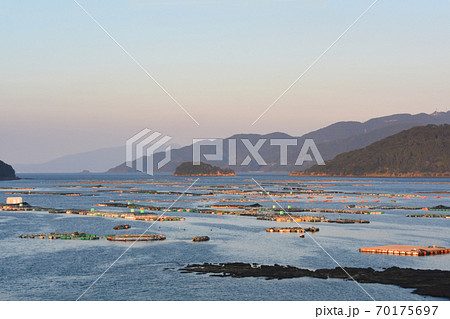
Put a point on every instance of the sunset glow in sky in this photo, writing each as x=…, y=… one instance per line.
x=66, y=87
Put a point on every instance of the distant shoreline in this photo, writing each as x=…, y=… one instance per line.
x=15, y=178
x=411, y=175
x=237, y=174
x=204, y=175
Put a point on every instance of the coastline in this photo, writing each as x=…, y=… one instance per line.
x=203, y=175
x=409, y=175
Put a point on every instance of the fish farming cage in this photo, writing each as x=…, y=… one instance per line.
x=118, y=227
x=136, y=237
x=292, y=229
x=62, y=235
x=200, y=238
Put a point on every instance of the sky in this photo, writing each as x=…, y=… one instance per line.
x=66, y=87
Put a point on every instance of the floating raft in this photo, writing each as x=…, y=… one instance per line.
x=134, y=237
x=153, y=218
x=200, y=238
x=64, y=235
x=298, y=219
x=429, y=215
x=406, y=250
x=291, y=229
x=438, y=208
x=347, y=221
x=122, y=227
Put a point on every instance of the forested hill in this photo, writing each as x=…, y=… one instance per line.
x=189, y=169
x=422, y=151
x=332, y=140
x=6, y=171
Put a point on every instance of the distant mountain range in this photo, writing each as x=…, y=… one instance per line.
x=6, y=171
x=418, y=152
x=93, y=161
x=331, y=140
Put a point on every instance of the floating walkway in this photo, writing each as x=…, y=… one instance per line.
x=406, y=250
x=139, y=216
x=84, y=236
x=63, y=235
x=429, y=215
x=200, y=238
x=295, y=218
x=347, y=221
x=122, y=227
x=441, y=208
x=136, y=237
x=291, y=230
x=131, y=216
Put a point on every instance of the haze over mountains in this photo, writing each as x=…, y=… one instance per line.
x=94, y=161
x=331, y=140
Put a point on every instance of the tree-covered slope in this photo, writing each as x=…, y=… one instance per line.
x=189, y=169
x=331, y=140
x=6, y=171
x=419, y=151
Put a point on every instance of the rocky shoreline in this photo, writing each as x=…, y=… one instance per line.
x=434, y=283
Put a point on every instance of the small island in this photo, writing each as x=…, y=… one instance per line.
x=7, y=172
x=189, y=169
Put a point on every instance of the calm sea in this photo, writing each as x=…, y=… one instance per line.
x=63, y=270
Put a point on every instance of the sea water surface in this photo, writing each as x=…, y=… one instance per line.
x=32, y=269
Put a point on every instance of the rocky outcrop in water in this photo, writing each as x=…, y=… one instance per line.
x=435, y=283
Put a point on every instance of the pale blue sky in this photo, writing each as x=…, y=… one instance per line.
x=68, y=88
